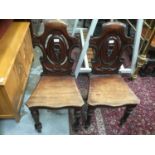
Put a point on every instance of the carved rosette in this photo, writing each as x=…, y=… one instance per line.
x=56, y=46
x=108, y=48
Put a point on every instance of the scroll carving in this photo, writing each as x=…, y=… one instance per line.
x=56, y=46
x=108, y=48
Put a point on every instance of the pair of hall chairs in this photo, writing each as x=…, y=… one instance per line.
x=57, y=87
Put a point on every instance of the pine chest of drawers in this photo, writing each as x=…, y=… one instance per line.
x=16, y=54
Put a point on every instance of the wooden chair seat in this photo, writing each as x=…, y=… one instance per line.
x=56, y=92
x=110, y=90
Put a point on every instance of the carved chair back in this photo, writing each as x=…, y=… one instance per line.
x=56, y=46
x=108, y=48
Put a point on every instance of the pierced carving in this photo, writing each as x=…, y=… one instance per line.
x=108, y=48
x=56, y=46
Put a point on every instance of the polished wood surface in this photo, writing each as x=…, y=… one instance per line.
x=56, y=46
x=56, y=92
x=56, y=87
x=107, y=88
x=108, y=48
x=110, y=90
x=16, y=54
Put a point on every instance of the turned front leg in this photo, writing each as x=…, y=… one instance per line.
x=35, y=115
x=77, y=116
x=127, y=112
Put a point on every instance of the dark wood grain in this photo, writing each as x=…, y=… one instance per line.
x=56, y=46
x=127, y=112
x=109, y=90
x=35, y=115
x=57, y=88
x=108, y=48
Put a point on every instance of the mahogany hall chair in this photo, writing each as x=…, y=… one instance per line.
x=57, y=87
x=106, y=86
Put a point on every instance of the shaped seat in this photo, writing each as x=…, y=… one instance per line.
x=110, y=90
x=56, y=92
x=107, y=87
x=56, y=88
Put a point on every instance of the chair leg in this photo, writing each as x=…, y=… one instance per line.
x=90, y=111
x=84, y=112
x=35, y=115
x=127, y=112
x=77, y=116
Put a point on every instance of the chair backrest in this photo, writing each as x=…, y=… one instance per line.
x=108, y=48
x=56, y=46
